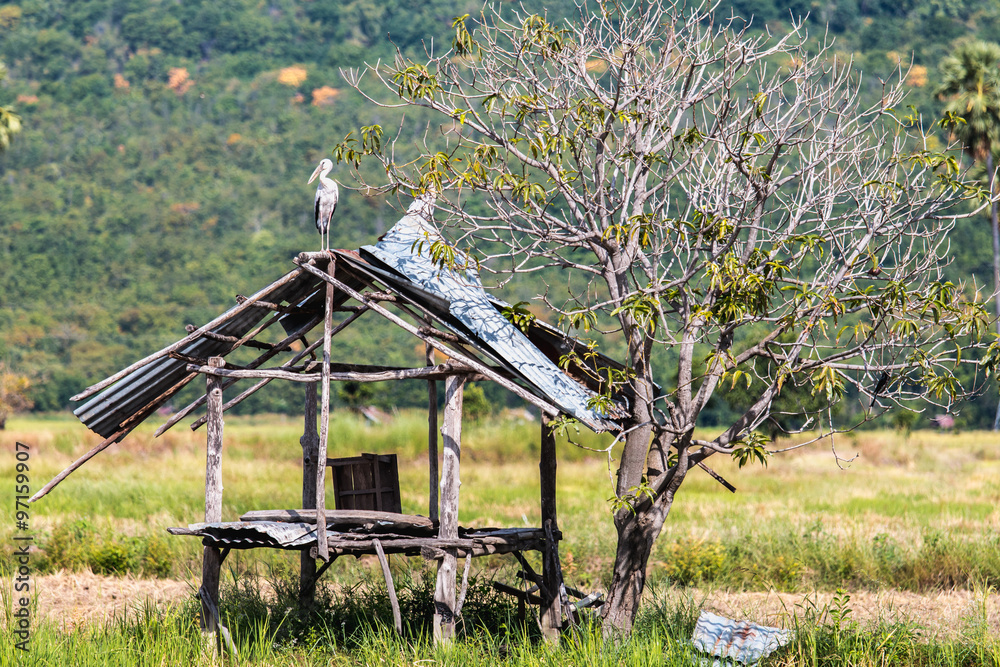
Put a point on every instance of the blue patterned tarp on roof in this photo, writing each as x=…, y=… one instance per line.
x=406, y=249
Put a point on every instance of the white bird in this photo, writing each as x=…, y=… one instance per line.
x=327, y=195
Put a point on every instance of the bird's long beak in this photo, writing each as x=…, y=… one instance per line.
x=315, y=174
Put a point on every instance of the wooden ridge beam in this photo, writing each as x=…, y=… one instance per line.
x=438, y=372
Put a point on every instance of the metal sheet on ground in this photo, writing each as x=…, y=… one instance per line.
x=735, y=642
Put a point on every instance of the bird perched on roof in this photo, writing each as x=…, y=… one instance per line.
x=327, y=195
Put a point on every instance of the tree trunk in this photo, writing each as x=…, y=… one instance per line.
x=636, y=535
x=639, y=529
x=637, y=532
x=996, y=258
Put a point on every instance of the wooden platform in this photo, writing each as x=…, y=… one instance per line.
x=355, y=533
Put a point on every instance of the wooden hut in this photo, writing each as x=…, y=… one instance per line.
x=323, y=295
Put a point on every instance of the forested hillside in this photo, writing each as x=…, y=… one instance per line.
x=165, y=149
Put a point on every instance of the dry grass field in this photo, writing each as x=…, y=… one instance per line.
x=910, y=528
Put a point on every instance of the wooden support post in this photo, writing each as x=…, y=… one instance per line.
x=451, y=435
x=310, y=460
x=322, y=549
x=551, y=608
x=212, y=559
x=432, y=436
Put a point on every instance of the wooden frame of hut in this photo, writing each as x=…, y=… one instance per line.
x=343, y=285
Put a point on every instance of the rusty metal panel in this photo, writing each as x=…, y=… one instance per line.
x=251, y=534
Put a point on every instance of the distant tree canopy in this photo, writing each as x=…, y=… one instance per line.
x=14, y=394
x=131, y=206
x=970, y=88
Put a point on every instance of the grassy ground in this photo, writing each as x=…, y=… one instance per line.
x=917, y=513
x=913, y=513
x=352, y=629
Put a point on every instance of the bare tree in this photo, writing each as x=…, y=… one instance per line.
x=717, y=196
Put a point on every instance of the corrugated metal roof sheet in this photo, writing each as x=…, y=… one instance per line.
x=740, y=641
x=140, y=393
x=406, y=250
x=248, y=535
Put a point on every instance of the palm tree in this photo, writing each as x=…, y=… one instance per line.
x=971, y=87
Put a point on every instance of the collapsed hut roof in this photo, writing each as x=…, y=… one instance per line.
x=440, y=306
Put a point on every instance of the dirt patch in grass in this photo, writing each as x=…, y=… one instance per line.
x=72, y=599
x=944, y=614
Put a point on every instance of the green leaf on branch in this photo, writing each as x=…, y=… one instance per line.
x=443, y=255
x=751, y=448
x=828, y=382
x=519, y=316
x=638, y=227
x=939, y=385
x=561, y=425
x=371, y=139
x=348, y=150
x=463, y=43
x=415, y=82
x=601, y=403
x=642, y=308
x=632, y=498
x=580, y=319
x=536, y=31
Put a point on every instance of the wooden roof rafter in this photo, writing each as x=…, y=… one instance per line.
x=469, y=360
x=309, y=349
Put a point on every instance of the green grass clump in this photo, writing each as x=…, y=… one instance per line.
x=692, y=561
x=79, y=544
x=791, y=559
x=349, y=613
x=829, y=635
